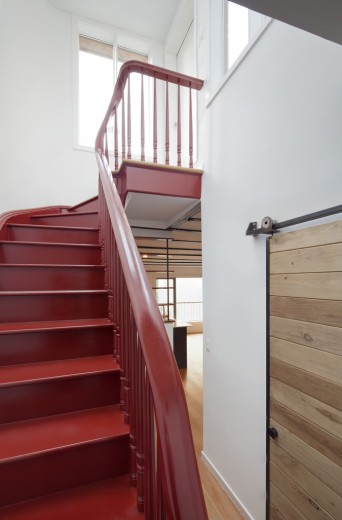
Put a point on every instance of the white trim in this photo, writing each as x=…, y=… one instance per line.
x=238, y=62
x=243, y=510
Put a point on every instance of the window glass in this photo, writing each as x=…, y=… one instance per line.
x=96, y=82
x=242, y=26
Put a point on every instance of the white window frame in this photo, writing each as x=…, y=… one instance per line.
x=111, y=35
x=218, y=47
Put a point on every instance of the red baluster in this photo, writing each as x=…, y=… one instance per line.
x=123, y=126
x=129, y=137
x=167, y=130
x=116, y=147
x=133, y=419
x=106, y=146
x=140, y=431
x=191, y=158
x=150, y=499
x=179, y=131
x=155, y=122
x=142, y=121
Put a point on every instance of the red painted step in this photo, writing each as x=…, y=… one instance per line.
x=49, y=341
x=49, y=253
x=110, y=499
x=51, y=454
x=61, y=234
x=55, y=387
x=52, y=305
x=50, y=277
x=78, y=218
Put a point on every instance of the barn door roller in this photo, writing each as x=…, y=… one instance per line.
x=269, y=226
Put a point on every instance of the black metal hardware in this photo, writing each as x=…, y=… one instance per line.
x=272, y=432
x=269, y=226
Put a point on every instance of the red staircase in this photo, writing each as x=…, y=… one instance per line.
x=64, y=446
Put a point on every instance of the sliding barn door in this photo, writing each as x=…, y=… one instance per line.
x=305, y=383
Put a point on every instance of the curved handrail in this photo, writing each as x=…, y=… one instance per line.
x=181, y=477
x=158, y=73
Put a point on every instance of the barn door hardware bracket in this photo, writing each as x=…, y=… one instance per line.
x=272, y=432
x=266, y=228
x=269, y=226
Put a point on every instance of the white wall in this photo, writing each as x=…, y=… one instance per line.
x=271, y=145
x=39, y=165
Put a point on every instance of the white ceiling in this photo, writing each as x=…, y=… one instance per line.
x=149, y=18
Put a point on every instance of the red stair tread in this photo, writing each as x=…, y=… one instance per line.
x=48, y=244
x=6, y=328
x=64, y=214
x=37, y=436
x=109, y=499
x=11, y=375
x=46, y=226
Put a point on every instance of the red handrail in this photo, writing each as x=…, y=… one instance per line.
x=164, y=466
x=120, y=99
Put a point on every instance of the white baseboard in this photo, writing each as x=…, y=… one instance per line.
x=226, y=487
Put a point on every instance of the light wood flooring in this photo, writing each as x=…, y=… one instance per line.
x=219, y=505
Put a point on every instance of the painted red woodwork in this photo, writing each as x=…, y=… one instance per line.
x=49, y=341
x=167, y=480
x=122, y=89
x=158, y=180
x=112, y=498
x=61, y=305
x=49, y=253
x=30, y=233
x=78, y=218
x=16, y=277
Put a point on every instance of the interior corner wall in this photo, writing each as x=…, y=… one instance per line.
x=271, y=145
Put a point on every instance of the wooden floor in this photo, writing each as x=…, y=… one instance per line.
x=219, y=505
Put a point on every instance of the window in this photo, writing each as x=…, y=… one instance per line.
x=96, y=81
x=166, y=297
x=242, y=25
x=189, y=299
x=99, y=63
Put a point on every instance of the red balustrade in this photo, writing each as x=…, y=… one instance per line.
x=163, y=461
x=121, y=106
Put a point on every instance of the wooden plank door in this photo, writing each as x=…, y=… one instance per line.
x=305, y=374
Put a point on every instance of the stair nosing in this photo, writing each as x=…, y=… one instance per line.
x=46, y=378
x=47, y=226
x=65, y=214
x=91, y=266
x=53, y=293
x=68, y=244
x=64, y=447
x=48, y=326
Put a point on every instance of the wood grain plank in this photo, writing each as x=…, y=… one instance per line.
x=297, y=496
x=326, y=312
x=315, y=488
x=319, y=439
x=325, y=286
x=318, y=387
x=322, y=467
x=330, y=233
x=319, y=259
x=284, y=506
x=321, y=337
x=275, y=514
x=323, y=364
x=319, y=413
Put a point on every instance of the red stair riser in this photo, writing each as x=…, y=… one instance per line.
x=33, y=347
x=56, y=471
x=50, y=278
x=17, y=308
x=61, y=395
x=52, y=234
x=70, y=219
x=21, y=253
